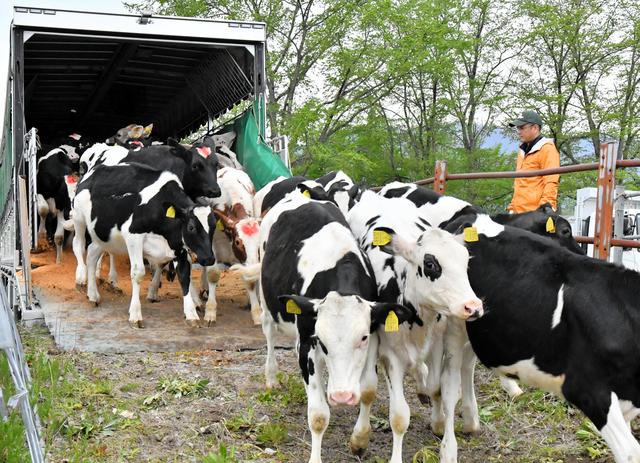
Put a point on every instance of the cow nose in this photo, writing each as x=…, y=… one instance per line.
x=207, y=261
x=214, y=192
x=473, y=310
x=343, y=398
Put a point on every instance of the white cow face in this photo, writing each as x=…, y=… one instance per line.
x=343, y=327
x=436, y=277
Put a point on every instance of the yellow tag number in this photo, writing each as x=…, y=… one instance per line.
x=306, y=193
x=292, y=307
x=551, y=228
x=391, y=323
x=220, y=225
x=380, y=238
x=470, y=234
x=171, y=212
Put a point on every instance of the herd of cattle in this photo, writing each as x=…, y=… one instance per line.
x=406, y=277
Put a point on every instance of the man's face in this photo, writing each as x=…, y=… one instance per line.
x=528, y=132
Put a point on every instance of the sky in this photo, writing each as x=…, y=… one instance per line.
x=6, y=16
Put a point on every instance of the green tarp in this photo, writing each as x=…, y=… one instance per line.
x=260, y=162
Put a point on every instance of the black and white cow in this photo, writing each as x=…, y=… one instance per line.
x=56, y=180
x=275, y=191
x=316, y=284
x=341, y=189
x=427, y=271
x=566, y=323
x=143, y=212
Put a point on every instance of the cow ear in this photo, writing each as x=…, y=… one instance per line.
x=209, y=142
x=390, y=242
x=223, y=220
x=176, y=148
x=147, y=130
x=547, y=208
x=299, y=305
x=136, y=132
x=380, y=311
x=354, y=190
x=173, y=211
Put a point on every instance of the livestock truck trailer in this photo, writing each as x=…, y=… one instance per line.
x=92, y=73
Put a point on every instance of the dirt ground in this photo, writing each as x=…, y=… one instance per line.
x=234, y=407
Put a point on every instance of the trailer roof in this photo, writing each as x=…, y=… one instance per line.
x=93, y=73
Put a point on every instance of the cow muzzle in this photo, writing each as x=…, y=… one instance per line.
x=341, y=398
x=472, y=310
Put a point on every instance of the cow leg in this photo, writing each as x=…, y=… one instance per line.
x=211, y=307
x=617, y=434
x=93, y=253
x=399, y=413
x=135, y=248
x=250, y=286
x=469, y=403
x=79, y=244
x=368, y=387
x=188, y=289
x=152, y=293
x=271, y=366
x=59, y=236
x=204, y=283
x=43, y=212
x=317, y=408
x=454, y=340
x=113, y=271
x=421, y=375
x=434, y=360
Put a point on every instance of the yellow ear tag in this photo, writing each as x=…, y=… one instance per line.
x=220, y=225
x=306, y=193
x=470, y=234
x=380, y=238
x=171, y=212
x=551, y=228
x=292, y=307
x=391, y=323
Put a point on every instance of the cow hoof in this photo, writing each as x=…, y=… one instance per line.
x=204, y=295
x=357, y=450
x=193, y=323
x=210, y=323
x=80, y=287
x=424, y=398
x=136, y=324
x=471, y=433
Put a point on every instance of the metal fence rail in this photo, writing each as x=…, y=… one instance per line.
x=11, y=344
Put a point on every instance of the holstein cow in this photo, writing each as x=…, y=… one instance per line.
x=143, y=212
x=340, y=189
x=450, y=336
x=567, y=323
x=275, y=191
x=236, y=237
x=195, y=168
x=133, y=136
x=56, y=184
x=317, y=285
x=427, y=271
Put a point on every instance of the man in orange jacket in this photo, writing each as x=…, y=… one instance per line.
x=536, y=152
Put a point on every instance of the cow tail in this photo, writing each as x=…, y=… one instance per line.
x=68, y=225
x=249, y=272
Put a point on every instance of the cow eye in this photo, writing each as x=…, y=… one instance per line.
x=566, y=231
x=365, y=337
x=432, y=267
x=195, y=166
x=192, y=228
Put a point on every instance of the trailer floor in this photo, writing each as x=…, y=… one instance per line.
x=78, y=324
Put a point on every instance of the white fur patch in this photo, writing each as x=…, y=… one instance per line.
x=321, y=251
x=528, y=373
x=487, y=226
x=443, y=210
x=202, y=213
x=557, y=314
x=147, y=193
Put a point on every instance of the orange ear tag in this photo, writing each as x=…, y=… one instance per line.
x=391, y=323
x=470, y=234
x=292, y=307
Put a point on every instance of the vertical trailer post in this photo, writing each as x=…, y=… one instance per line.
x=440, y=177
x=604, y=203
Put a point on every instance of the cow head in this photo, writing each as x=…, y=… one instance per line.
x=436, y=277
x=343, y=195
x=343, y=327
x=200, y=177
x=197, y=231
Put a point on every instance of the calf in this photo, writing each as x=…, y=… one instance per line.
x=236, y=237
x=275, y=191
x=56, y=183
x=560, y=321
x=340, y=189
x=133, y=136
x=428, y=271
x=145, y=213
x=316, y=284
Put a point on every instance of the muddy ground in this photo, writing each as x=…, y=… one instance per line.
x=160, y=417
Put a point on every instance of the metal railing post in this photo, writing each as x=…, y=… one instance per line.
x=440, y=177
x=604, y=203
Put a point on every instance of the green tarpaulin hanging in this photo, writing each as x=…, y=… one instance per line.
x=260, y=162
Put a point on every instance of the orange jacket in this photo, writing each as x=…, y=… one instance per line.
x=531, y=192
